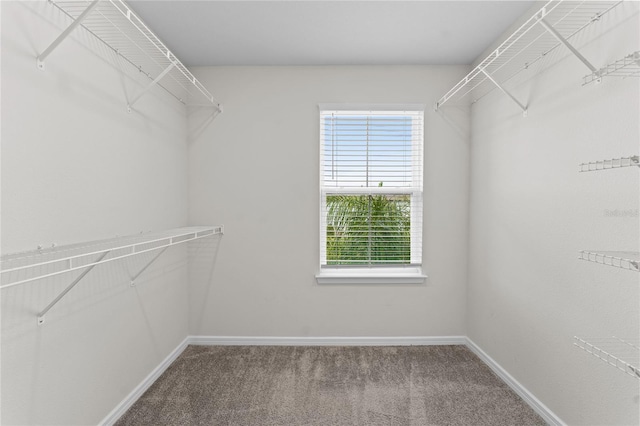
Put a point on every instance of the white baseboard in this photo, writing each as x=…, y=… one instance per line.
x=136, y=393
x=537, y=406
x=325, y=341
x=527, y=396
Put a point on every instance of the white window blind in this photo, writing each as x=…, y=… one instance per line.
x=371, y=187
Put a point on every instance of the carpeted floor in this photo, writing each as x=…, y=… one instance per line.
x=285, y=385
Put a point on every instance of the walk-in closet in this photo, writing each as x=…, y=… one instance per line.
x=313, y=212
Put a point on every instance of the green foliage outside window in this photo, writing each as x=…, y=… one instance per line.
x=368, y=229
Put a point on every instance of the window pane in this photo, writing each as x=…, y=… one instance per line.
x=371, y=184
x=368, y=229
x=369, y=150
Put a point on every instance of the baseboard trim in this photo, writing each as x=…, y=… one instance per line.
x=325, y=341
x=136, y=393
x=537, y=406
x=541, y=409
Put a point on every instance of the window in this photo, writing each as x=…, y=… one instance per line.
x=371, y=194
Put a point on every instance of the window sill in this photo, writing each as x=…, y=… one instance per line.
x=369, y=276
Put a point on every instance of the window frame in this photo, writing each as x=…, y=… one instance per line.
x=373, y=274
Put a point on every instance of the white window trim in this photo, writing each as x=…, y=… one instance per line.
x=400, y=275
x=407, y=274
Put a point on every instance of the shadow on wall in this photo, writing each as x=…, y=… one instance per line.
x=102, y=324
x=456, y=116
x=58, y=68
x=199, y=118
x=202, y=256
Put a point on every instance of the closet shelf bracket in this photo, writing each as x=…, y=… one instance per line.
x=503, y=90
x=135, y=277
x=25, y=267
x=153, y=83
x=524, y=51
x=77, y=22
x=139, y=53
x=70, y=286
x=566, y=44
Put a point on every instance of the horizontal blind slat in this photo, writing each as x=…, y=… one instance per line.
x=371, y=181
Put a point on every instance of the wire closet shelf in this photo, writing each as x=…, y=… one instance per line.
x=614, y=163
x=21, y=268
x=618, y=259
x=549, y=28
x=629, y=66
x=113, y=23
x=623, y=354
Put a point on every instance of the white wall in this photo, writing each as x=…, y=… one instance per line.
x=531, y=212
x=256, y=170
x=77, y=167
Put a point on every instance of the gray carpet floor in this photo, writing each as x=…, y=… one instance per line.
x=284, y=385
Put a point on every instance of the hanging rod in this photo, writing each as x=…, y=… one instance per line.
x=614, y=163
x=629, y=66
x=619, y=259
x=114, y=23
x=549, y=28
x=623, y=354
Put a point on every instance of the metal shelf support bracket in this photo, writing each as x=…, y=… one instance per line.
x=135, y=277
x=150, y=85
x=568, y=45
x=65, y=33
x=499, y=86
x=69, y=287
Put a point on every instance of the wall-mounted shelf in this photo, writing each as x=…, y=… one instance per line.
x=619, y=259
x=549, y=28
x=20, y=268
x=113, y=23
x=629, y=66
x=614, y=163
x=623, y=354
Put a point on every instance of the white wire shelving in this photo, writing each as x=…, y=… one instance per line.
x=113, y=23
x=548, y=29
x=618, y=259
x=623, y=354
x=614, y=163
x=629, y=66
x=21, y=268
